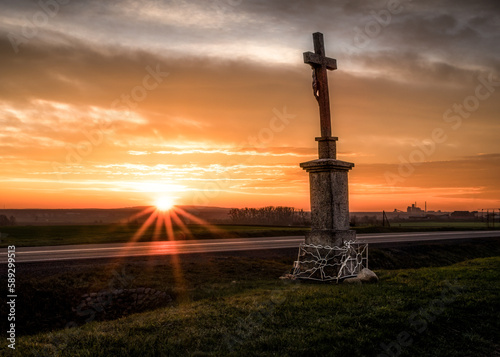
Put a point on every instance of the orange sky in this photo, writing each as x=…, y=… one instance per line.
x=209, y=102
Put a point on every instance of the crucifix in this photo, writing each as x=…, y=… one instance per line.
x=327, y=252
x=320, y=64
x=327, y=175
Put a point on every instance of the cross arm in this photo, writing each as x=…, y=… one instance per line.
x=316, y=60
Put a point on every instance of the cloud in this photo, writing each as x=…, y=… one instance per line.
x=478, y=171
x=226, y=70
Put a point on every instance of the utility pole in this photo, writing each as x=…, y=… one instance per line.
x=385, y=220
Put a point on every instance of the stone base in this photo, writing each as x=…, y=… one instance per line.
x=365, y=276
x=317, y=262
x=330, y=237
x=329, y=195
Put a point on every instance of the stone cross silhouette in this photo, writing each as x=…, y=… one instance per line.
x=320, y=64
x=330, y=236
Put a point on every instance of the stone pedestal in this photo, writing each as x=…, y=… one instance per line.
x=330, y=251
x=329, y=199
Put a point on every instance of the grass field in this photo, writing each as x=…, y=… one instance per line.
x=447, y=311
x=24, y=236
x=236, y=306
x=458, y=224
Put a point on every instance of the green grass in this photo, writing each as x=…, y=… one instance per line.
x=49, y=293
x=458, y=224
x=259, y=315
x=25, y=236
x=425, y=227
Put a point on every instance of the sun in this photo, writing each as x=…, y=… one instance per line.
x=164, y=203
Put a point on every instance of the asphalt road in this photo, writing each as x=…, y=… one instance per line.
x=93, y=251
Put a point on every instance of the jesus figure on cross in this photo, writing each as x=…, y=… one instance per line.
x=320, y=64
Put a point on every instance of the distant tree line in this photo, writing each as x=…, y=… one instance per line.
x=5, y=221
x=270, y=215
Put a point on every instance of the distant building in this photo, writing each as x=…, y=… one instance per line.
x=463, y=215
x=437, y=216
x=414, y=209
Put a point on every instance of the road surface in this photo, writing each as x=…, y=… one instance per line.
x=115, y=250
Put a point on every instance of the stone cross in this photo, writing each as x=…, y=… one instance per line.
x=328, y=251
x=327, y=175
x=320, y=64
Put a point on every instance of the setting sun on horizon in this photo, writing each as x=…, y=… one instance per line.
x=218, y=110
x=164, y=203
